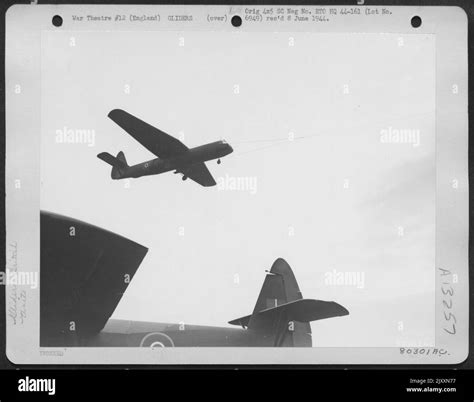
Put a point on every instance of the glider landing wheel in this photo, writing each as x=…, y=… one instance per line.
x=184, y=178
x=218, y=161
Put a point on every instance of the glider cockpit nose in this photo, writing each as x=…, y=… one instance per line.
x=227, y=147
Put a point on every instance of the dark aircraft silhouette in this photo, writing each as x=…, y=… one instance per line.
x=172, y=154
x=84, y=277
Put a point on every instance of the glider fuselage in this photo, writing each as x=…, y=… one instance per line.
x=171, y=153
x=200, y=154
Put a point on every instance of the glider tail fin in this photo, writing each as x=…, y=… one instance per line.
x=282, y=312
x=118, y=163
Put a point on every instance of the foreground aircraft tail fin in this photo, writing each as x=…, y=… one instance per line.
x=118, y=163
x=282, y=312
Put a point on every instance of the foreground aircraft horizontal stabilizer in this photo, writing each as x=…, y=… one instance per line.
x=303, y=310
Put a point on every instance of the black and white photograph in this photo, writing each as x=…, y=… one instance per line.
x=236, y=185
x=223, y=171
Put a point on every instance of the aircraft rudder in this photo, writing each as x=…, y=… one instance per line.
x=121, y=158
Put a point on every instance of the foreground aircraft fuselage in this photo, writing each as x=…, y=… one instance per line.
x=171, y=153
x=123, y=333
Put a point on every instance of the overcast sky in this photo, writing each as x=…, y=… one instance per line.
x=333, y=200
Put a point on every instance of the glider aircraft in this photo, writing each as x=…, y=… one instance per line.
x=171, y=153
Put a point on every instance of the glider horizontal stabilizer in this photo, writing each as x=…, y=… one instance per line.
x=112, y=160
